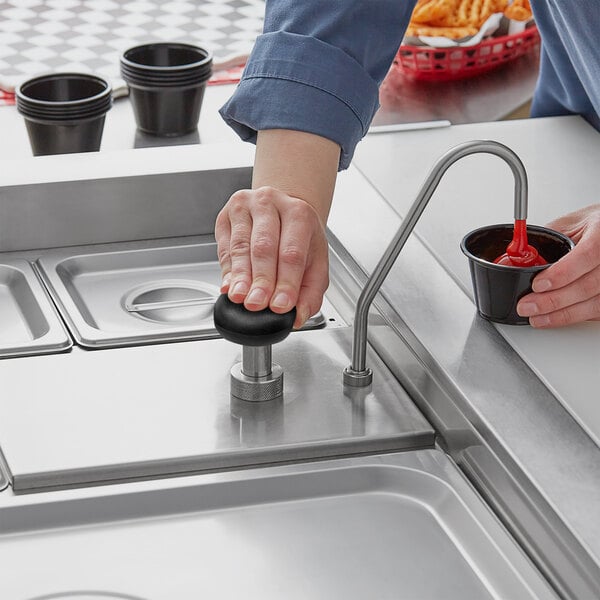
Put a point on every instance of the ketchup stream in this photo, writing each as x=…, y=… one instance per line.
x=519, y=253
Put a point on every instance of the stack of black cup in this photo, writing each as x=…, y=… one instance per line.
x=64, y=112
x=166, y=86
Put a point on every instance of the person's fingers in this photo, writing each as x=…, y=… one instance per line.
x=310, y=300
x=581, y=260
x=566, y=224
x=589, y=310
x=264, y=245
x=568, y=291
x=239, y=246
x=585, y=288
x=223, y=237
x=314, y=283
x=575, y=223
x=297, y=234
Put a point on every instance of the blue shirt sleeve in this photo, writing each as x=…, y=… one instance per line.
x=569, y=81
x=317, y=67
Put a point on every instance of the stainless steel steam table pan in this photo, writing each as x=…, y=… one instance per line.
x=29, y=323
x=165, y=409
x=143, y=295
x=139, y=295
x=399, y=526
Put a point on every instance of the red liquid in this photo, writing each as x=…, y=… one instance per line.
x=519, y=253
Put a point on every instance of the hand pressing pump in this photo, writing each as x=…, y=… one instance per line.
x=255, y=379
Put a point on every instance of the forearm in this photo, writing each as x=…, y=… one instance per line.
x=302, y=165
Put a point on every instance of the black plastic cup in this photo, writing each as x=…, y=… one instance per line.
x=64, y=112
x=498, y=288
x=166, y=82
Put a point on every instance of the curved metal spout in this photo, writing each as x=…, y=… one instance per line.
x=357, y=374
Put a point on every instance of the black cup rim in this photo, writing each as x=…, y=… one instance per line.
x=197, y=77
x=53, y=108
x=61, y=109
x=151, y=87
x=59, y=120
x=79, y=115
x=62, y=122
x=159, y=82
x=67, y=105
x=194, y=77
x=160, y=75
x=91, y=111
x=508, y=268
x=166, y=71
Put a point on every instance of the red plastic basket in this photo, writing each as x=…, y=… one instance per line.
x=445, y=64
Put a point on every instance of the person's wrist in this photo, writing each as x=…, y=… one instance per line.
x=300, y=164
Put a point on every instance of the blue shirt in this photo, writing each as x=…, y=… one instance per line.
x=318, y=65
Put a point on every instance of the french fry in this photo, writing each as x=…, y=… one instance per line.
x=454, y=33
x=433, y=10
x=519, y=10
x=453, y=19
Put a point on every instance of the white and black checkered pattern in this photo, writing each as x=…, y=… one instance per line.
x=42, y=36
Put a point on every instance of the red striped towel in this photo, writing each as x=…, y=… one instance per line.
x=6, y=98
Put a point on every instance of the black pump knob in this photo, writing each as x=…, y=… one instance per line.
x=251, y=328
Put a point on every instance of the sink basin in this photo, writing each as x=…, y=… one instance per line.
x=29, y=323
x=400, y=526
x=140, y=295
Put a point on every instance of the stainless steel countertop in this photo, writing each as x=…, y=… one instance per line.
x=98, y=416
x=489, y=97
x=521, y=448
x=526, y=449
x=560, y=156
x=160, y=410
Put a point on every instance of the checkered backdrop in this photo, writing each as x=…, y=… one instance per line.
x=39, y=36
